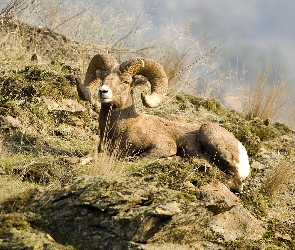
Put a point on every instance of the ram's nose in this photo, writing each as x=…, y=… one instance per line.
x=103, y=91
x=105, y=94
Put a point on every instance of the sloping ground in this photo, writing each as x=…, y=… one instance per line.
x=53, y=197
x=20, y=41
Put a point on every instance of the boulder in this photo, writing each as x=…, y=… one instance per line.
x=231, y=220
x=134, y=212
x=65, y=105
x=9, y=122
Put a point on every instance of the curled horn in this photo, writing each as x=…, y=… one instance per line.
x=102, y=62
x=156, y=76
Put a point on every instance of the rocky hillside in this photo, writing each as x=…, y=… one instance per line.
x=55, y=193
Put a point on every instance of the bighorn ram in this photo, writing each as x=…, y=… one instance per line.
x=152, y=136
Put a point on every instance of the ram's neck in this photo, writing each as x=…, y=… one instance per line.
x=111, y=114
x=112, y=117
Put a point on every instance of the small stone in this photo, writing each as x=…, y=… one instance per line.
x=9, y=122
x=189, y=185
x=168, y=209
x=283, y=236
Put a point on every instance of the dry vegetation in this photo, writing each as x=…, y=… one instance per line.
x=278, y=179
x=47, y=143
x=267, y=99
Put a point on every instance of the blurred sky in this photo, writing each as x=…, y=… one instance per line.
x=252, y=28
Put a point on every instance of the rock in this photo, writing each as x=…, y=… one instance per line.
x=36, y=58
x=8, y=122
x=236, y=223
x=258, y=166
x=67, y=105
x=270, y=158
x=189, y=185
x=86, y=159
x=72, y=106
x=64, y=130
x=50, y=104
x=29, y=238
x=167, y=210
x=231, y=220
x=72, y=160
x=79, y=160
x=220, y=197
x=128, y=212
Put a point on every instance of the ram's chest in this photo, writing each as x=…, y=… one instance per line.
x=128, y=133
x=133, y=132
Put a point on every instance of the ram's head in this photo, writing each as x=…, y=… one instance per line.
x=117, y=80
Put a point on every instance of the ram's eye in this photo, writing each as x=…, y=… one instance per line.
x=125, y=82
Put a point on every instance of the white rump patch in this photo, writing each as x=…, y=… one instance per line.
x=243, y=165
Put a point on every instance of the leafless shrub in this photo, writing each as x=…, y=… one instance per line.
x=267, y=97
x=14, y=7
x=185, y=58
x=113, y=27
x=277, y=179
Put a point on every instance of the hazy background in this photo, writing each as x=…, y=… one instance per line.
x=246, y=33
x=252, y=28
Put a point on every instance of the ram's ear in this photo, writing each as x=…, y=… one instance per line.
x=139, y=80
x=132, y=66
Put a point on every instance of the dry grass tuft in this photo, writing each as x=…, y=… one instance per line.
x=103, y=162
x=267, y=97
x=111, y=160
x=277, y=179
x=107, y=163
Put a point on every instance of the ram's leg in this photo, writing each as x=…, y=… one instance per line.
x=226, y=151
x=163, y=149
x=188, y=146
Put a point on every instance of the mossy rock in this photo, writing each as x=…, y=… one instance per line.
x=16, y=233
x=174, y=173
x=34, y=81
x=211, y=105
